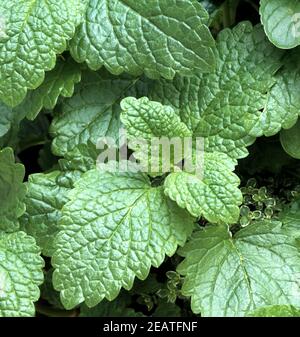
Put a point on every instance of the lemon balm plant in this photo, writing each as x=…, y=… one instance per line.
x=79, y=237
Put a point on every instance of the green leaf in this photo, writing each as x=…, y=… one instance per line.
x=147, y=119
x=215, y=195
x=83, y=158
x=58, y=82
x=225, y=106
x=44, y=201
x=290, y=216
x=76, y=162
x=10, y=125
x=281, y=22
x=283, y=105
x=6, y=118
x=276, y=311
x=155, y=37
x=20, y=274
x=10, y=119
x=148, y=125
x=12, y=191
x=93, y=111
x=114, y=228
x=290, y=140
x=230, y=276
x=35, y=31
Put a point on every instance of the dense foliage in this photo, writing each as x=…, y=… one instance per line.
x=84, y=237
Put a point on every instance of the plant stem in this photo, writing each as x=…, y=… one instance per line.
x=229, y=12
